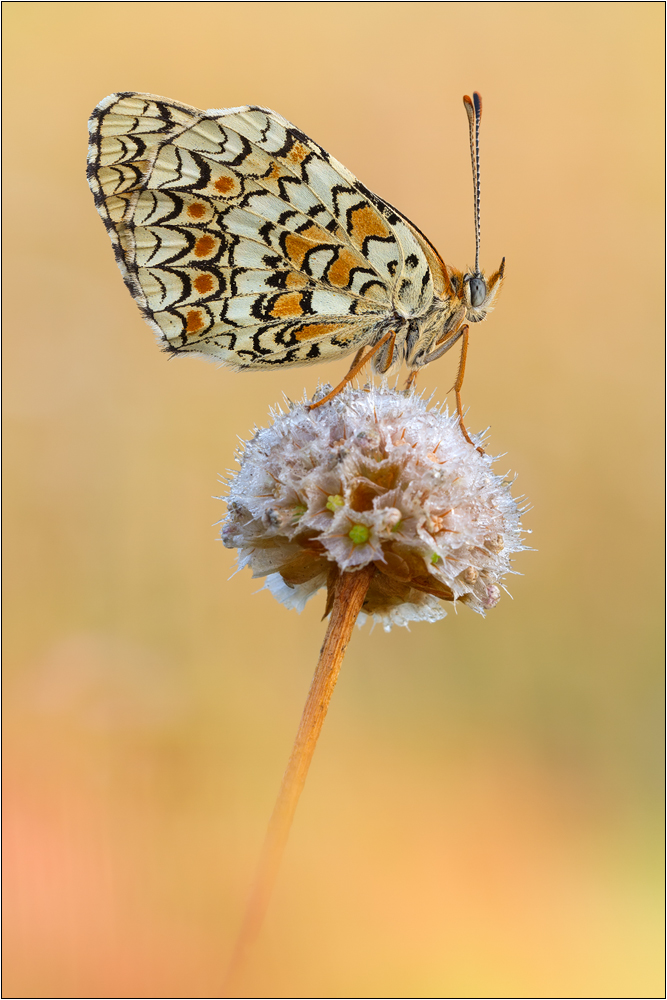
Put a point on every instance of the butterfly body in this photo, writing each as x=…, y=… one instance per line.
x=244, y=242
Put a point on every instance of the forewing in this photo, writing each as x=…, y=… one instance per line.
x=240, y=238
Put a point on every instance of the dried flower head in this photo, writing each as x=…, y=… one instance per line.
x=374, y=476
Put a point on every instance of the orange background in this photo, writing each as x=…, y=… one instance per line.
x=482, y=816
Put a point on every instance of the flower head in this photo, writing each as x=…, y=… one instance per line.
x=374, y=476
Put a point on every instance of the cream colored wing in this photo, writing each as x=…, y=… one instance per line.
x=241, y=239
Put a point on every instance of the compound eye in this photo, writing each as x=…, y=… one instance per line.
x=477, y=291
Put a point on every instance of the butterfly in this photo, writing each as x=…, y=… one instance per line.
x=243, y=241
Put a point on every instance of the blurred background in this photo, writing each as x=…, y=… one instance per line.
x=483, y=814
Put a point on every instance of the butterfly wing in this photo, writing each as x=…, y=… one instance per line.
x=242, y=239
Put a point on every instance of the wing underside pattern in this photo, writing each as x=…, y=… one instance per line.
x=242, y=240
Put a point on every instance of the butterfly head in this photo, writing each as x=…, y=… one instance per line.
x=478, y=293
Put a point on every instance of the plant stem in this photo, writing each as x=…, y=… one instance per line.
x=349, y=596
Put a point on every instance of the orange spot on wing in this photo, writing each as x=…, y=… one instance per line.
x=366, y=222
x=204, y=246
x=223, y=184
x=316, y=330
x=196, y=210
x=298, y=153
x=204, y=283
x=298, y=244
x=317, y=234
x=296, y=248
x=339, y=272
x=274, y=172
x=287, y=305
x=194, y=322
x=294, y=279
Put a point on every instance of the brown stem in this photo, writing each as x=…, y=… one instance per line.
x=350, y=593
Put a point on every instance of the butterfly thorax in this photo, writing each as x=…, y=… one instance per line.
x=415, y=337
x=465, y=297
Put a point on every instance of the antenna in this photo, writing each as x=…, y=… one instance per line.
x=473, y=108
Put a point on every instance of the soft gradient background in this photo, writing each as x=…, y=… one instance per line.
x=482, y=817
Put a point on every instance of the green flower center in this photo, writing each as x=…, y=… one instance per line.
x=359, y=534
x=334, y=503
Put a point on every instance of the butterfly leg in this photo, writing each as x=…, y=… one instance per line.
x=411, y=379
x=457, y=388
x=356, y=366
x=356, y=357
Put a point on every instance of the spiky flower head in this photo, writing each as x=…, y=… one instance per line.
x=374, y=476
